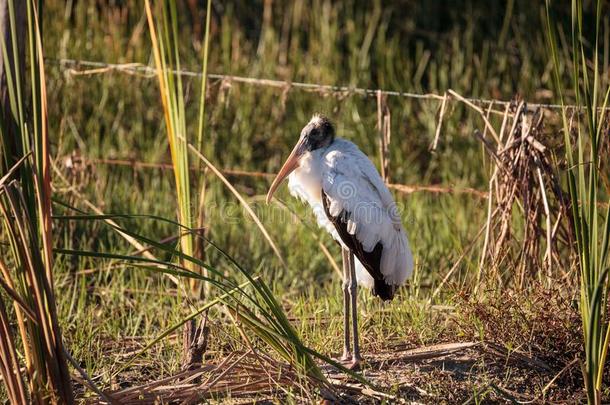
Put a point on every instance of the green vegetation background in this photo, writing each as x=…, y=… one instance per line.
x=477, y=48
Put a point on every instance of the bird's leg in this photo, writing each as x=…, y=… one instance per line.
x=354, y=298
x=347, y=355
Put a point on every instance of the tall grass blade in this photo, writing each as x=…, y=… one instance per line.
x=10, y=366
x=584, y=187
x=25, y=205
x=165, y=51
x=247, y=207
x=204, y=75
x=256, y=308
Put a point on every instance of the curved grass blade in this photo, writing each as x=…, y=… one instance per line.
x=242, y=200
x=275, y=331
x=177, y=325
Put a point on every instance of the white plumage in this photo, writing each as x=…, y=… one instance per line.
x=353, y=185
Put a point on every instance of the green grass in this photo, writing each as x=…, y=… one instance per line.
x=25, y=204
x=584, y=157
x=109, y=310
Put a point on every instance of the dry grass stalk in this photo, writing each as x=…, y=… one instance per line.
x=239, y=375
x=245, y=204
x=136, y=164
x=523, y=179
x=25, y=213
x=314, y=233
x=35, y=309
x=10, y=367
x=437, y=189
x=132, y=241
x=439, y=125
x=196, y=343
x=384, y=126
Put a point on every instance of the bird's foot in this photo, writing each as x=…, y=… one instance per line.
x=355, y=363
x=346, y=356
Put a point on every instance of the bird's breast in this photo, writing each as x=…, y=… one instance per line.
x=305, y=181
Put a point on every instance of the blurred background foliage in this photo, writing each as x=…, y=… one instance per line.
x=475, y=47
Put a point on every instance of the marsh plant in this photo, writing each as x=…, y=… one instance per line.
x=585, y=129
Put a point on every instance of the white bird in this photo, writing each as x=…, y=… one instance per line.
x=351, y=201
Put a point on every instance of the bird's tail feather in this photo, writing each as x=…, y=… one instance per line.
x=383, y=290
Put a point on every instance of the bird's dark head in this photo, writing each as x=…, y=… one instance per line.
x=319, y=133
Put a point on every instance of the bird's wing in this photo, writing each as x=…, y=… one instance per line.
x=371, y=261
x=363, y=211
x=353, y=185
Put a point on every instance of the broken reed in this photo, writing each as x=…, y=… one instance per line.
x=25, y=205
x=523, y=184
x=584, y=132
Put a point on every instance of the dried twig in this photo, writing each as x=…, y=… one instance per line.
x=437, y=189
x=384, y=128
x=441, y=115
x=522, y=178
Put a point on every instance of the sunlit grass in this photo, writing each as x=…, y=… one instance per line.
x=25, y=206
x=584, y=159
x=111, y=309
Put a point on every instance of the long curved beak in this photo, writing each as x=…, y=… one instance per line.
x=291, y=163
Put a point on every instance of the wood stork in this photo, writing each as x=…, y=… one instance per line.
x=351, y=201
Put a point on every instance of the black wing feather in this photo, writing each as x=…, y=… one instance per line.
x=370, y=260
